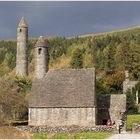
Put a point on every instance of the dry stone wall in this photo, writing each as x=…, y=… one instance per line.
x=73, y=129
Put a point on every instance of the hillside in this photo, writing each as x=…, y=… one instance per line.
x=132, y=30
x=93, y=48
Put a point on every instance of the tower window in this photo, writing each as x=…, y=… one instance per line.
x=39, y=51
x=20, y=30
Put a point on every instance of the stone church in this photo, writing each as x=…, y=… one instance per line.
x=63, y=97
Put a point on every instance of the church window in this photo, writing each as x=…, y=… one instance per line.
x=39, y=51
x=20, y=30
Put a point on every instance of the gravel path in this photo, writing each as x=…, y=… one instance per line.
x=125, y=136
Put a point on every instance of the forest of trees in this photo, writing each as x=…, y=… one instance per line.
x=109, y=53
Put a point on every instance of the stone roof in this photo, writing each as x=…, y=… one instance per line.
x=41, y=42
x=64, y=88
x=22, y=23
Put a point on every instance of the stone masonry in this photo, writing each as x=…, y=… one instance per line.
x=41, y=58
x=22, y=42
x=110, y=107
x=53, y=117
x=64, y=98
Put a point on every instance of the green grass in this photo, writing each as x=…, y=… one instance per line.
x=132, y=119
x=40, y=135
x=82, y=135
x=18, y=121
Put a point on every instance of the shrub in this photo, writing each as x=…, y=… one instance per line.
x=13, y=104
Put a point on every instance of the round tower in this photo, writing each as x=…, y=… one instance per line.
x=22, y=41
x=41, y=58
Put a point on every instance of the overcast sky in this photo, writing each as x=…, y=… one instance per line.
x=67, y=18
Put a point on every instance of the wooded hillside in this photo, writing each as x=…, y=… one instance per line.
x=106, y=51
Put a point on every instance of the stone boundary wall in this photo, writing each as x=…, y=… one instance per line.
x=45, y=129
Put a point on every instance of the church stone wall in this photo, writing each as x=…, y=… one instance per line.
x=53, y=117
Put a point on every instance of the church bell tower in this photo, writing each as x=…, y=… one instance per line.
x=41, y=58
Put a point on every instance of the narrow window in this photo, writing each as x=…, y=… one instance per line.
x=20, y=30
x=39, y=51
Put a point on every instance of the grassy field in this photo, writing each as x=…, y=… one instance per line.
x=82, y=135
x=131, y=119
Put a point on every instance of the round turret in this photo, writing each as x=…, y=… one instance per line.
x=41, y=58
x=41, y=42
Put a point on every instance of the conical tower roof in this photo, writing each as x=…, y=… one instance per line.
x=41, y=42
x=22, y=23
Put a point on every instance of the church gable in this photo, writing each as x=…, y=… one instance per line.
x=64, y=88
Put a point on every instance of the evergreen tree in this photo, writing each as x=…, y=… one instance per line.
x=109, y=55
x=77, y=59
x=134, y=60
x=130, y=103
